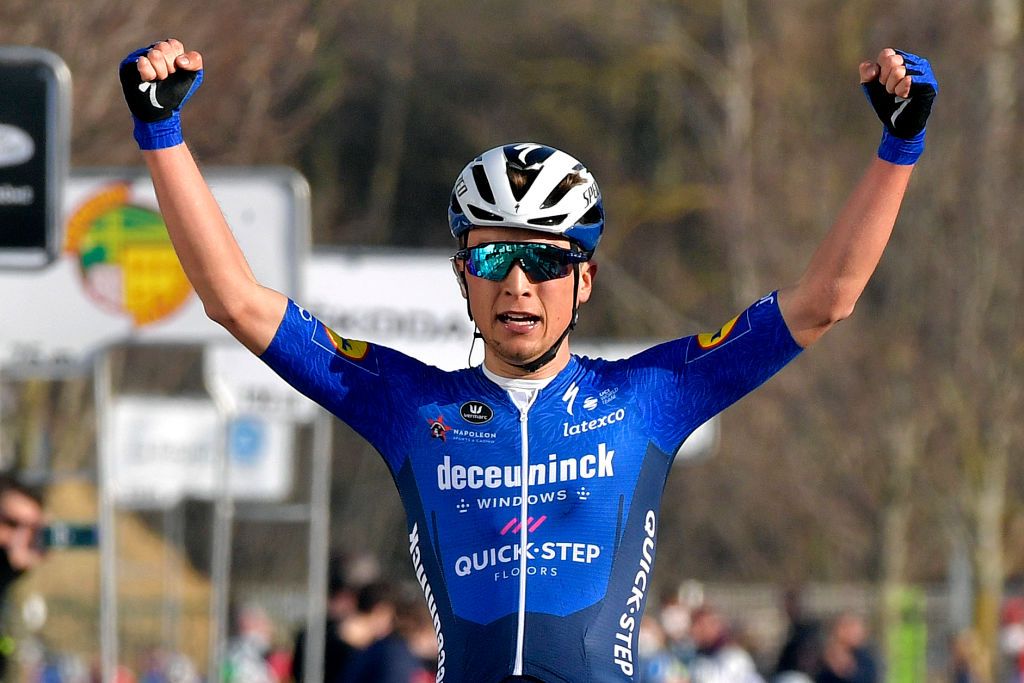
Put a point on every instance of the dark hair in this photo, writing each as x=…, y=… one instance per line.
x=375, y=594
x=337, y=575
x=11, y=482
x=520, y=179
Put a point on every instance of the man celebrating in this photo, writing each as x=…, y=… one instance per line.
x=532, y=483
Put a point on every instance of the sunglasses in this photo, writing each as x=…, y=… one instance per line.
x=541, y=262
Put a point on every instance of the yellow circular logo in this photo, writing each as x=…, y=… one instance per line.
x=125, y=257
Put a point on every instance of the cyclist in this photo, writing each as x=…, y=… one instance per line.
x=532, y=483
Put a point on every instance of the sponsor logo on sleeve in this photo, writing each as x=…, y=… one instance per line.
x=359, y=353
x=709, y=342
x=350, y=348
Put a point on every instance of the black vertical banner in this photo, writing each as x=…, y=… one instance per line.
x=34, y=141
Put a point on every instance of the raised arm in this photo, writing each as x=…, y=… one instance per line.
x=901, y=88
x=209, y=254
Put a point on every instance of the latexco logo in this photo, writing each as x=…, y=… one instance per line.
x=16, y=146
x=590, y=425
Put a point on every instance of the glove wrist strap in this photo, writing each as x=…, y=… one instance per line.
x=899, y=151
x=159, y=134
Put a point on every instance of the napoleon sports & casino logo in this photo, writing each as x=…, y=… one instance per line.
x=125, y=258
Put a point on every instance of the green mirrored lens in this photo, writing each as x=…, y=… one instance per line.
x=540, y=262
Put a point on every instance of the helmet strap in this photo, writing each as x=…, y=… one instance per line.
x=550, y=354
x=472, y=344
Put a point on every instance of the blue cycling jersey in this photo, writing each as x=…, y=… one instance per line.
x=532, y=532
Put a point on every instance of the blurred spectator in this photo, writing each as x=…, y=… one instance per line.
x=674, y=617
x=160, y=666
x=341, y=604
x=802, y=650
x=249, y=648
x=658, y=663
x=966, y=660
x=846, y=657
x=21, y=526
x=718, y=658
x=1011, y=638
x=392, y=658
x=374, y=617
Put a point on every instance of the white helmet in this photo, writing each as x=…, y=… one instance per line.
x=484, y=196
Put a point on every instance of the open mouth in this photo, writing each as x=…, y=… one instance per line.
x=518, y=321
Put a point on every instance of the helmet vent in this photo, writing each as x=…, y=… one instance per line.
x=482, y=215
x=547, y=221
x=570, y=181
x=455, y=206
x=594, y=214
x=482, y=185
x=520, y=180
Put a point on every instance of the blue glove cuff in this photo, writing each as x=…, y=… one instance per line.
x=159, y=134
x=899, y=151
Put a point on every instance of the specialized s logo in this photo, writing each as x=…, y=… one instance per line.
x=569, y=397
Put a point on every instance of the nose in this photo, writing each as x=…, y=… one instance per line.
x=516, y=283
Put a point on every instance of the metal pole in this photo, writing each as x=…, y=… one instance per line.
x=319, y=529
x=221, y=560
x=172, y=578
x=103, y=394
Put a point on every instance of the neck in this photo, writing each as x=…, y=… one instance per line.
x=503, y=368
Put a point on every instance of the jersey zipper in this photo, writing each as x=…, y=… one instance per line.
x=523, y=541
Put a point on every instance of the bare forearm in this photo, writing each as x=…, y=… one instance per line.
x=205, y=246
x=208, y=252
x=845, y=260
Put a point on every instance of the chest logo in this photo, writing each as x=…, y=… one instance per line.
x=476, y=412
x=438, y=429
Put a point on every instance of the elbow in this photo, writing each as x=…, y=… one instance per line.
x=837, y=311
x=226, y=313
x=831, y=304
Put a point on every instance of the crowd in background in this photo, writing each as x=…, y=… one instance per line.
x=380, y=632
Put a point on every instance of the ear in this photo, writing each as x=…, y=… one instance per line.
x=588, y=273
x=460, y=275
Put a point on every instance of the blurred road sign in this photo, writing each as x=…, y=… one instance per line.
x=242, y=383
x=117, y=277
x=35, y=103
x=167, y=449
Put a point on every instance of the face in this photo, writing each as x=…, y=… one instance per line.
x=21, y=518
x=519, y=319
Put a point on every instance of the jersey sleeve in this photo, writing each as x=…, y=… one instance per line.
x=354, y=380
x=697, y=377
